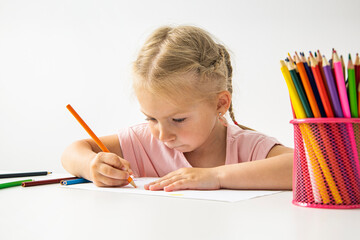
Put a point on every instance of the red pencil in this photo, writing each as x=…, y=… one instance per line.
x=321, y=87
x=357, y=69
x=47, y=181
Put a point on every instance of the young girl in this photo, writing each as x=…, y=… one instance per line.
x=183, y=82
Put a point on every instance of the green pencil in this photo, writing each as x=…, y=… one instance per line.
x=13, y=184
x=352, y=89
x=300, y=89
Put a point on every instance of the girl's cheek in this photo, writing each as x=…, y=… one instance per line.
x=154, y=131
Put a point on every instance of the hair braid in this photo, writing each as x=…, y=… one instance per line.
x=226, y=56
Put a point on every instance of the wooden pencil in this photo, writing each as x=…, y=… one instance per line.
x=352, y=89
x=307, y=87
x=13, y=184
x=47, y=181
x=340, y=82
x=321, y=87
x=93, y=136
x=357, y=69
x=300, y=90
x=313, y=84
x=24, y=174
x=329, y=78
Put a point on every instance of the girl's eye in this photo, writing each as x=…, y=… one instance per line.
x=150, y=119
x=179, y=119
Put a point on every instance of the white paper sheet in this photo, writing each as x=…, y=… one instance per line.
x=215, y=195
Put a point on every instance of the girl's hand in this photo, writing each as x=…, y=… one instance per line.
x=187, y=178
x=109, y=170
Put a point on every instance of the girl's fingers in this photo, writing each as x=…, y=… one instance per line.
x=111, y=172
x=161, y=183
x=126, y=166
x=178, y=185
x=115, y=161
x=102, y=181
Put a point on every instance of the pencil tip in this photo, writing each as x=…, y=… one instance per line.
x=349, y=56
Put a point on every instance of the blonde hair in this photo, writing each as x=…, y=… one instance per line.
x=183, y=61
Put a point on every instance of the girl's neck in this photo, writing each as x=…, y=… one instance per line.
x=211, y=153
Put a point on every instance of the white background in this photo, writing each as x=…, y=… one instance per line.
x=57, y=52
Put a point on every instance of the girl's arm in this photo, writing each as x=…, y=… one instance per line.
x=274, y=172
x=85, y=159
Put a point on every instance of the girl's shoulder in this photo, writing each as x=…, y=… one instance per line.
x=247, y=145
x=139, y=130
x=239, y=135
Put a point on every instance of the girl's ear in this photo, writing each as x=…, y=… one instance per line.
x=223, y=101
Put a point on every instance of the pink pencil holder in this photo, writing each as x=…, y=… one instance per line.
x=326, y=162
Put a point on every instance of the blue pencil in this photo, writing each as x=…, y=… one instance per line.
x=75, y=181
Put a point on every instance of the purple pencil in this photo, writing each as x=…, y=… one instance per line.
x=332, y=88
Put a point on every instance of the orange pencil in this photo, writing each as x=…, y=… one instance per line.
x=307, y=87
x=93, y=136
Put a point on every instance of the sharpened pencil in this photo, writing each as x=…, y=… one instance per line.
x=74, y=181
x=308, y=90
x=47, y=181
x=352, y=89
x=13, y=184
x=93, y=136
x=24, y=174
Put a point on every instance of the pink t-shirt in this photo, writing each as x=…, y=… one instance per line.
x=149, y=157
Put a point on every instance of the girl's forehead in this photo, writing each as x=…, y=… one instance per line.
x=156, y=106
x=153, y=102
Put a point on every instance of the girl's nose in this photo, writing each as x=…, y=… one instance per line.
x=165, y=134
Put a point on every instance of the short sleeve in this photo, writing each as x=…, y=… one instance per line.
x=247, y=145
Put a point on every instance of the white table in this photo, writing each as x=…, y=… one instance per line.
x=52, y=212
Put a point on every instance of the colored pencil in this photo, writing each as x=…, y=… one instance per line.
x=13, y=184
x=357, y=69
x=47, y=181
x=93, y=136
x=307, y=87
x=321, y=87
x=332, y=88
x=320, y=60
x=24, y=174
x=294, y=96
x=340, y=82
x=300, y=91
x=343, y=67
x=352, y=89
x=358, y=90
x=300, y=113
x=74, y=181
x=313, y=85
x=316, y=162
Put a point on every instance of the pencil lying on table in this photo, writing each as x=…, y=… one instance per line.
x=13, y=184
x=47, y=181
x=24, y=174
x=74, y=181
x=93, y=136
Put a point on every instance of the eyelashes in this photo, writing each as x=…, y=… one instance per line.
x=150, y=119
x=177, y=120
